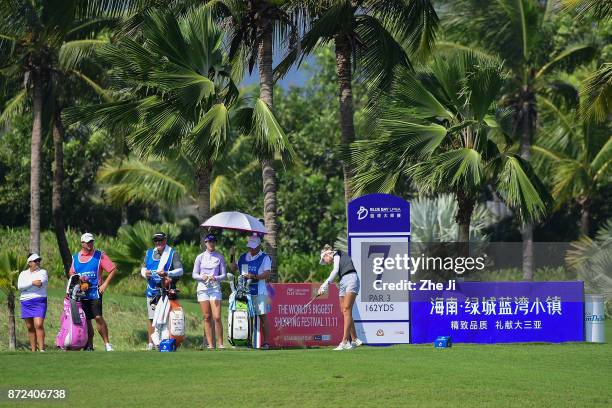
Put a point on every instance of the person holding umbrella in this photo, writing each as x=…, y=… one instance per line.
x=209, y=270
x=349, y=288
x=256, y=265
x=32, y=283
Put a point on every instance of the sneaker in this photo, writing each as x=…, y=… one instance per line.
x=221, y=347
x=265, y=346
x=209, y=347
x=150, y=346
x=343, y=346
x=42, y=351
x=89, y=348
x=108, y=347
x=356, y=343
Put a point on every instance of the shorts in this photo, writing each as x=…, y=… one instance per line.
x=349, y=283
x=150, y=308
x=210, y=293
x=261, y=304
x=92, y=307
x=35, y=307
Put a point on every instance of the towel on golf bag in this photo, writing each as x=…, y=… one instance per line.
x=160, y=321
x=232, y=304
x=72, y=335
x=168, y=321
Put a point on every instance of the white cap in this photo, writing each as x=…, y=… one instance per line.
x=323, y=253
x=254, y=242
x=33, y=257
x=87, y=237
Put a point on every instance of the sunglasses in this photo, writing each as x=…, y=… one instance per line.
x=158, y=240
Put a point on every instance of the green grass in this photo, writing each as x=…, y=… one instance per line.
x=526, y=375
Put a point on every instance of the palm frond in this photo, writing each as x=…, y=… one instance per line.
x=596, y=94
x=521, y=189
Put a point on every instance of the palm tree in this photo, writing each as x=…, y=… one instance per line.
x=253, y=24
x=372, y=33
x=517, y=31
x=440, y=128
x=9, y=272
x=169, y=183
x=580, y=153
x=596, y=92
x=180, y=98
x=41, y=44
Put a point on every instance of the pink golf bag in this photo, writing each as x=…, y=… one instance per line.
x=72, y=334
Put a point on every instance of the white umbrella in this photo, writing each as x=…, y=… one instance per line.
x=235, y=220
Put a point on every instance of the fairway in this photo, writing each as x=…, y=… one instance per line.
x=537, y=375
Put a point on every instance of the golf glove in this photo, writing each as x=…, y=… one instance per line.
x=323, y=289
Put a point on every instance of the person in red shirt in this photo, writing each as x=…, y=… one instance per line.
x=91, y=262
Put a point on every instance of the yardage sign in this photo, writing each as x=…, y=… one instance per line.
x=378, y=241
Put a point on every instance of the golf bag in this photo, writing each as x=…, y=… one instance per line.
x=241, y=313
x=72, y=334
x=169, y=318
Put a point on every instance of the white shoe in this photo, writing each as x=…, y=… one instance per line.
x=343, y=346
x=150, y=346
x=356, y=343
x=108, y=347
x=221, y=347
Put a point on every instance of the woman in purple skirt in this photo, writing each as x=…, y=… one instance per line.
x=32, y=284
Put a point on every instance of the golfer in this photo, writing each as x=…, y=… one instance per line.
x=91, y=262
x=209, y=270
x=256, y=265
x=349, y=288
x=160, y=261
x=32, y=283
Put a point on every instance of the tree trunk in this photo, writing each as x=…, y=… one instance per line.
x=56, y=199
x=10, y=303
x=266, y=91
x=124, y=215
x=465, y=208
x=35, y=162
x=527, y=121
x=203, y=175
x=585, y=216
x=345, y=95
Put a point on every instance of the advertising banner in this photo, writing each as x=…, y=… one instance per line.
x=293, y=324
x=379, y=245
x=499, y=312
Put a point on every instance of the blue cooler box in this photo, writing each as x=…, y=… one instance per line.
x=167, y=345
x=443, y=342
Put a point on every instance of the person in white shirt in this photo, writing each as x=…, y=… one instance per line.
x=209, y=271
x=256, y=266
x=32, y=284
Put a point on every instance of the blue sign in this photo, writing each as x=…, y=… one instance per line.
x=384, y=213
x=499, y=312
x=379, y=232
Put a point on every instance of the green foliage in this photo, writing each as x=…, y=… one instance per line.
x=302, y=267
x=439, y=127
x=132, y=243
x=10, y=267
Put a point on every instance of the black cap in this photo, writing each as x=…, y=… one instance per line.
x=159, y=236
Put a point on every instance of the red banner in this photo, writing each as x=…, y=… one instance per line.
x=293, y=324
